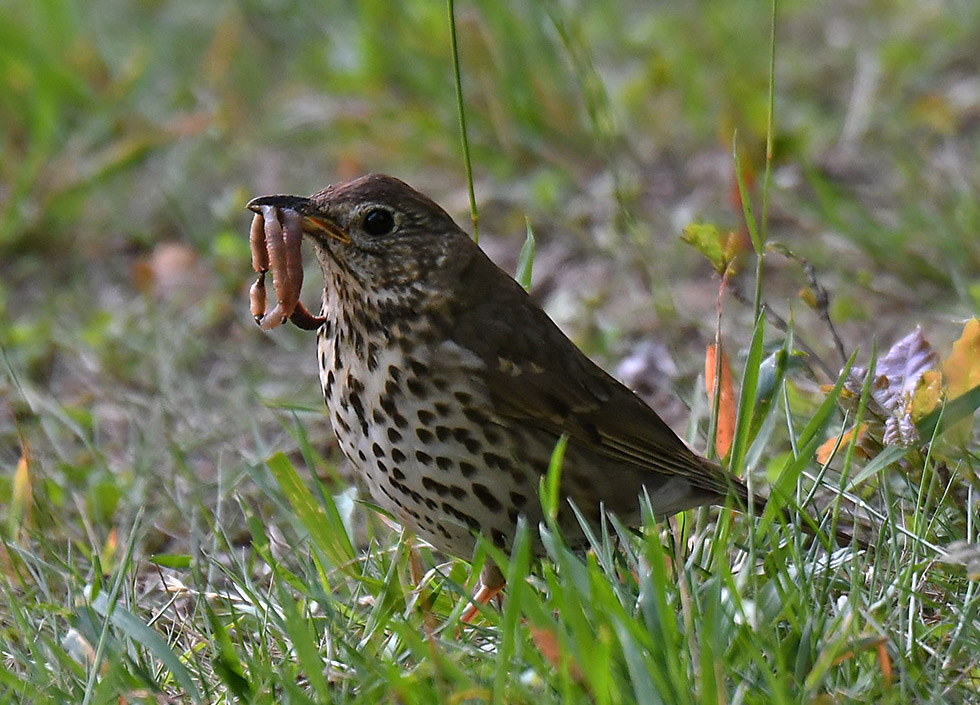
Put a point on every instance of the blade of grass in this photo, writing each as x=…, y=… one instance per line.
x=461, y=110
x=525, y=262
x=322, y=521
x=747, y=400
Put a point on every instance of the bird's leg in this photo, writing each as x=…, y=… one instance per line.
x=491, y=582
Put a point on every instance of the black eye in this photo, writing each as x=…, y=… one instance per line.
x=379, y=221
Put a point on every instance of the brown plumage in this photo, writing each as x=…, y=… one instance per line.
x=448, y=387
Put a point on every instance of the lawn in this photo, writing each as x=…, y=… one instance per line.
x=177, y=522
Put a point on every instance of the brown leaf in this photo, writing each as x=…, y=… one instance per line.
x=961, y=371
x=827, y=447
x=903, y=366
x=725, y=430
x=546, y=640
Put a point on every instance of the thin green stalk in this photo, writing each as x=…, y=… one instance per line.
x=474, y=215
x=117, y=581
x=767, y=181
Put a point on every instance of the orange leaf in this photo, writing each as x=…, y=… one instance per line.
x=926, y=396
x=962, y=370
x=725, y=431
x=827, y=447
x=886, y=664
x=546, y=639
x=22, y=498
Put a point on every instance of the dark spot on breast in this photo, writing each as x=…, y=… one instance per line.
x=518, y=499
x=424, y=435
x=468, y=469
x=406, y=344
x=443, y=433
x=433, y=486
x=398, y=456
x=378, y=451
x=388, y=404
x=493, y=460
x=338, y=360
x=475, y=416
x=323, y=359
x=426, y=417
x=439, y=383
x=400, y=421
x=397, y=474
x=391, y=387
x=473, y=445
x=487, y=497
x=456, y=514
x=393, y=435
x=423, y=457
x=372, y=357
x=382, y=467
x=458, y=492
x=358, y=342
x=444, y=463
x=339, y=421
x=463, y=398
x=513, y=515
x=378, y=415
x=358, y=406
x=415, y=386
x=442, y=530
x=442, y=408
x=493, y=438
x=328, y=387
x=519, y=476
x=371, y=325
x=418, y=367
x=394, y=373
x=361, y=455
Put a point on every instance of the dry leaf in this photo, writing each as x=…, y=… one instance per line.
x=22, y=498
x=899, y=376
x=546, y=640
x=827, y=447
x=725, y=430
x=928, y=392
x=962, y=372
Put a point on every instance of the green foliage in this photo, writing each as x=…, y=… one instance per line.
x=188, y=532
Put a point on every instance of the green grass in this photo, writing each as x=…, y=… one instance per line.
x=188, y=517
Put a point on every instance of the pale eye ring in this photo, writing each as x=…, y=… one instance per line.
x=379, y=221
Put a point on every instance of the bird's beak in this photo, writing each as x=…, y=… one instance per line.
x=313, y=222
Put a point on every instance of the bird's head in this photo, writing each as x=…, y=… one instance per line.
x=377, y=236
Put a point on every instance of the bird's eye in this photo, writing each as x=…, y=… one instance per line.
x=379, y=221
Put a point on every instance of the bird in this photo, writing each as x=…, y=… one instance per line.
x=448, y=387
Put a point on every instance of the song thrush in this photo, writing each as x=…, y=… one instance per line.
x=448, y=387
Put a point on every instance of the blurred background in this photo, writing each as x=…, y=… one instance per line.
x=133, y=132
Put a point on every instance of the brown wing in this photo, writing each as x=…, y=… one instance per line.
x=539, y=379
